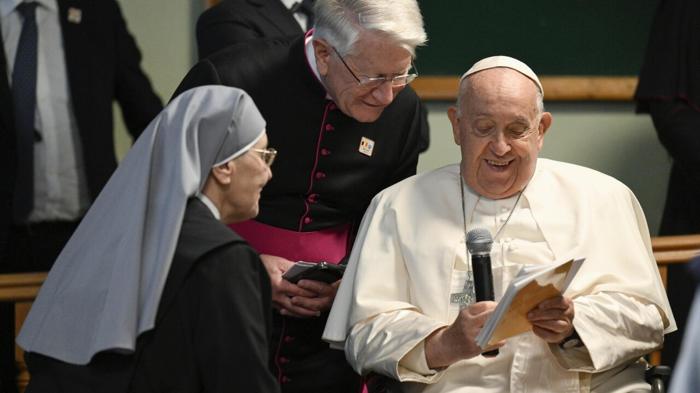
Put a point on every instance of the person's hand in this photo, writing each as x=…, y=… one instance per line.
x=283, y=291
x=552, y=320
x=456, y=342
x=322, y=299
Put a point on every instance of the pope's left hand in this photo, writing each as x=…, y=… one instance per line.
x=324, y=294
x=552, y=319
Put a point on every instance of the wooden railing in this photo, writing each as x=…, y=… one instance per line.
x=556, y=88
x=20, y=289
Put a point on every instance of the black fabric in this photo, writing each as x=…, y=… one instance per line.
x=106, y=373
x=678, y=128
x=669, y=90
x=34, y=247
x=305, y=364
x=235, y=21
x=213, y=322
x=320, y=179
x=212, y=326
x=671, y=67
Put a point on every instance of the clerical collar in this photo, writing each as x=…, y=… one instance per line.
x=311, y=59
x=208, y=203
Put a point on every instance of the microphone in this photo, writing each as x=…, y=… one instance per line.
x=479, y=243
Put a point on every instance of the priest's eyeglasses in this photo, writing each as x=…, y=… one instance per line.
x=267, y=155
x=372, y=82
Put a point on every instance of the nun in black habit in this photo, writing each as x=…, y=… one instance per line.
x=154, y=293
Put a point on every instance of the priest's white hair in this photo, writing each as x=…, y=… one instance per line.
x=340, y=22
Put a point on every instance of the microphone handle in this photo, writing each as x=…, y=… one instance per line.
x=483, y=278
x=483, y=284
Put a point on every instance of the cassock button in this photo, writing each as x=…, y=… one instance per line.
x=283, y=360
x=329, y=127
x=320, y=175
x=325, y=152
x=312, y=198
x=307, y=220
x=288, y=339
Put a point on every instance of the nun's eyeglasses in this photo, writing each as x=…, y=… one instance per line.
x=267, y=155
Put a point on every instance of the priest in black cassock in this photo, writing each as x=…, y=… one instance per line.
x=337, y=102
x=153, y=293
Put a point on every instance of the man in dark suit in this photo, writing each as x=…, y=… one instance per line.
x=78, y=57
x=234, y=21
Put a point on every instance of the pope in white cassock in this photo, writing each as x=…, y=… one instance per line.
x=393, y=314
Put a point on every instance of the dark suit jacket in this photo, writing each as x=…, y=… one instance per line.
x=102, y=63
x=234, y=21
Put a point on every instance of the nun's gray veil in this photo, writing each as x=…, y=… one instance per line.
x=104, y=289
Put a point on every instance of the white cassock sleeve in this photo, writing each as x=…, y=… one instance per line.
x=374, y=316
x=614, y=328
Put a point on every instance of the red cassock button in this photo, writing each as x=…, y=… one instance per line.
x=320, y=175
x=288, y=339
x=307, y=220
x=325, y=152
x=329, y=127
x=283, y=360
x=312, y=198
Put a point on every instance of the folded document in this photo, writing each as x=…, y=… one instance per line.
x=532, y=285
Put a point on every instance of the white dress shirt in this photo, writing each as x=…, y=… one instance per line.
x=300, y=17
x=60, y=186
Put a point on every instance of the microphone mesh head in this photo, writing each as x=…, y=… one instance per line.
x=479, y=241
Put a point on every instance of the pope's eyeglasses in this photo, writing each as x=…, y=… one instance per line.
x=512, y=133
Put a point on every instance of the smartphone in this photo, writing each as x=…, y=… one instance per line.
x=321, y=271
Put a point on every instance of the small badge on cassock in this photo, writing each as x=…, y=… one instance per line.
x=366, y=146
x=75, y=15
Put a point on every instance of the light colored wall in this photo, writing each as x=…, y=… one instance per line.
x=605, y=136
x=608, y=137
x=164, y=31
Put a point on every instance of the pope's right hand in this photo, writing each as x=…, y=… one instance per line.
x=456, y=342
x=283, y=291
